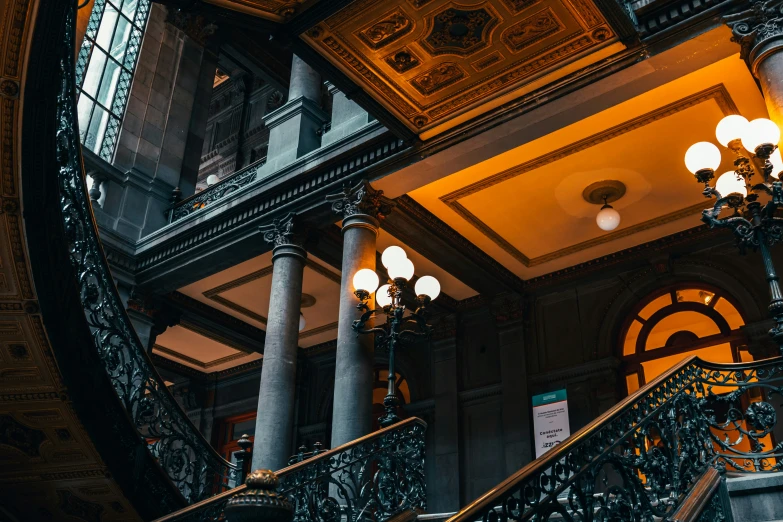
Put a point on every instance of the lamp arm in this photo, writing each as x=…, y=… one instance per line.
x=741, y=227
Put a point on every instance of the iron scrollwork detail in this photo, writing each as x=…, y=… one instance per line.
x=640, y=462
x=186, y=458
x=214, y=193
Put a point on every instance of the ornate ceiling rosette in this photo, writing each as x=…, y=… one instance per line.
x=435, y=63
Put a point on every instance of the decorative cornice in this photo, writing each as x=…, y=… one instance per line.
x=196, y=362
x=476, y=394
x=194, y=25
x=361, y=198
x=758, y=29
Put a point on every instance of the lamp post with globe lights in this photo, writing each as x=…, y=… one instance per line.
x=756, y=174
x=389, y=298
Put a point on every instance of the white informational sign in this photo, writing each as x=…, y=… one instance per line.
x=550, y=420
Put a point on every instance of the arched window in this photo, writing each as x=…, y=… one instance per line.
x=677, y=322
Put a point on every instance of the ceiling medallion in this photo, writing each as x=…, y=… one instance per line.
x=459, y=31
x=605, y=192
x=402, y=60
x=388, y=28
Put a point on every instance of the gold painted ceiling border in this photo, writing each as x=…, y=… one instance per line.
x=717, y=93
x=209, y=334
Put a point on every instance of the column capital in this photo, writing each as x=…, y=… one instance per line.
x=758, y=29
x=362, y=199
x=287, y=235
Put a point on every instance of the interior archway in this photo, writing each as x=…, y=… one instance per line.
x=676, y=322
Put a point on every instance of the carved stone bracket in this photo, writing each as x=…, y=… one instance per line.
x=445, y=328
x=284, y=231
x=361, y=199
x=193, y=24
x=507, y=308
x=757, y=28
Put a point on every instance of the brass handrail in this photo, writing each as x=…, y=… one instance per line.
x=699, y=498
x=204, y=504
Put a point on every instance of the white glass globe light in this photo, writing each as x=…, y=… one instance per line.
x=760, y=131
x=382, y=296
x=731, y=128
x=729, y=184
x=302, y=322
x=212, y=179
x=429, y=286
x=607, y=218
x=702, y=155
x=392, y=256
x=366, y=280
x=777, y=164
x=401, y=269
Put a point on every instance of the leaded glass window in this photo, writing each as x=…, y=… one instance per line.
x=104, y=70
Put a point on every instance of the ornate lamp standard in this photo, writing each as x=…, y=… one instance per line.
x=756, y=173
x=397, y=327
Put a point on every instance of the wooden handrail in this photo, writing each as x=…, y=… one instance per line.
x=698, y=498
x=487, y=500
x=292, y=468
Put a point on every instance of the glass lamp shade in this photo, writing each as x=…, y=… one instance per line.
x=760, y=131
x=729, y=184
x=302, y=322
x=392, y=256
x=429, y=286
x=382, y=296
x=401, y=269
x=777, y=164
x=607, y=218
x=366, y=280
x=731, y=128
x=702, y=155
x=212, y=179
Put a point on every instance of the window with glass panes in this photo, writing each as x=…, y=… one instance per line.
x=104, y=70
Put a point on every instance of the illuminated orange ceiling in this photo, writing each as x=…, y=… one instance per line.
x=434, y=63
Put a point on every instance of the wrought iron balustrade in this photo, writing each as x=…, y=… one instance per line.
x=370, y=479
x=186, y=458
x=209, y=195
x=641, y=459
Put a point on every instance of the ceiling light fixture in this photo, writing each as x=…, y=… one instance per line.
x=605, y=192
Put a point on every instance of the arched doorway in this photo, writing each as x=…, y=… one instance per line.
x=379, y=391
x=676, y=322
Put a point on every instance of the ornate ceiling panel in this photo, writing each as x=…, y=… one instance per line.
x=430, y=61
x=275, y=10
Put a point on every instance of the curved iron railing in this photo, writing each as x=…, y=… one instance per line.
x=186, y=457
x=638, y=461
x=369, y=479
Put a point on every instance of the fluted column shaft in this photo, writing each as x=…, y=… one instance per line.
x=275, y=419
x=360, y=207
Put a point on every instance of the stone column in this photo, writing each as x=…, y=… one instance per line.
x=757, y=26
x=507, y=310
x=361, y=206
x=276, y=400
x=294, y=128
x=443, y=491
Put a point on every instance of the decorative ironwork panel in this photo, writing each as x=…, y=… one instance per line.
x=186, y=458
x=217, y=191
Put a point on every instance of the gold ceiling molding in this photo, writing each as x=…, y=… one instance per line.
x=276, y=10
x=209, y=334
x=318, y=330
x=213, y=294
x=429, y=61
x=716, y=93
x=196, y=362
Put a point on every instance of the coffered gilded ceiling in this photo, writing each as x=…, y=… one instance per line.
x=431, y=61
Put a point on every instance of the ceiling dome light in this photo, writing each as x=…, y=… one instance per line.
x=608, y=218
x=392, y=256
x=777, y=164
x=758, y=132
x=365, y=280
x=701, y=156
x=731, y=128
x=382, y=296
x=401, y=269
x=729, y=184
x=302, y=322
x=429, y=286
